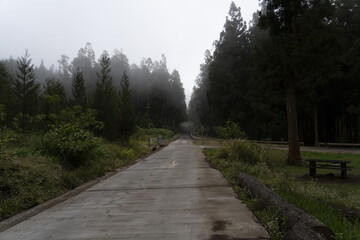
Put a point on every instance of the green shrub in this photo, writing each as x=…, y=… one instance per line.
x=161, y=132
x=72, y=143
x=127, y=155
x=245, y=151
x=231, y=130
x=71, y=139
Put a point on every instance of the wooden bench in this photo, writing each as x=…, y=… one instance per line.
x=328, y=164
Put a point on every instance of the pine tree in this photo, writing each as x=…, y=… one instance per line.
x=105, y=99
x=5, y=84
x=127, y=121
x=78, y=89
x=26, y=89
x=282, y=19
x=228, y=70
x=177, y=107
x=5, y=93
x=54, y=97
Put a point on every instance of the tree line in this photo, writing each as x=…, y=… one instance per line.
x=291, y=74
x=123, y=95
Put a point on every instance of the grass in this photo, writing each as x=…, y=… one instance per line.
x=29, y=176
x=269, y=166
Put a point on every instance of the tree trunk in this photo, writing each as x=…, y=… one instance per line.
x=294, y=157
x=301, y=225
x=316, y=127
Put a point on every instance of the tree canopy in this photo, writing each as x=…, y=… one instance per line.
x=292, y=74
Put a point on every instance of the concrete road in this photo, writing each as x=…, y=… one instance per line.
x=173, y=194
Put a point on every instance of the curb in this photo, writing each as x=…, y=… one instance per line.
x=16, y=219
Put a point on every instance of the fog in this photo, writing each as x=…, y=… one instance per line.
x=181, y=30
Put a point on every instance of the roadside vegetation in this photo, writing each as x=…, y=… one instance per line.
x=62, y=128
x=323, y=199
x=32, y=173
x=298, y=55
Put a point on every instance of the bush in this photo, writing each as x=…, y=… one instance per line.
x=231, y=130
x=245, y=151
x=72, y=141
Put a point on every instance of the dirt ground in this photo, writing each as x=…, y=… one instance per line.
x=331, y=178
x=315, y=149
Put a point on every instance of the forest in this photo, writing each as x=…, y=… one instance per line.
x=61, y=127
x=122, y=95
x=294, y=67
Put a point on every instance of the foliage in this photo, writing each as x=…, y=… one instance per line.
x=231, y=130
x=127, y=115
x=72, y=143
x=6, y=97
x=273, y=222
x=311, y=47
x=26, y=89
x=26, y=182
x=78, y=89
x=157, y=96
x=269, y=166
x=227, y=75
x=53, y=99
x=72, y=140
x=105, y=99
x=29, y=177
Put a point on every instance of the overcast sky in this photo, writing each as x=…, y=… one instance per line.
x=180, y=29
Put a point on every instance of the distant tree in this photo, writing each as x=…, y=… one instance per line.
x=119, y=65
x=42, y=73
x=199, y=111
x=105, y=99
x=53, y=98
x=26, y=89
x=5, y=83
x=141, y=81
x=158, y=94
x=177, y=100
x=6, y=97
x=53, y=87
x=228, y=71
x=127, y=120
x=64, y=73
x=85, y=60
x=78, y=89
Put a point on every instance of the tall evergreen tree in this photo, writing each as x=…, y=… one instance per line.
x=5, y=84
x=282, y=19
x=64, y=73
x=127, y=121
x=54, y=97
x=85, y=60
x=78, y=89
x=5, y=90
x=26, y=89
x=177, y=100
x=199, y=111
x=105, y=99
x=228, y=75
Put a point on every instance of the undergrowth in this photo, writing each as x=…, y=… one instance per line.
x=243, y=156
x=30, y=176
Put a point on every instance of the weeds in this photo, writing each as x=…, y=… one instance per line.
x=30, y=176
x=269, y=167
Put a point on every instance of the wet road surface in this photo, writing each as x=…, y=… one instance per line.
x=173, y=194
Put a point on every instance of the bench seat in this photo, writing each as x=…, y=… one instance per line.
x=329, y=164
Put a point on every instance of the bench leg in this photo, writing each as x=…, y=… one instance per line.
x=343, y=170
x=312, y=168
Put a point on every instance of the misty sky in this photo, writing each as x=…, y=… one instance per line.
x=180, y=29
